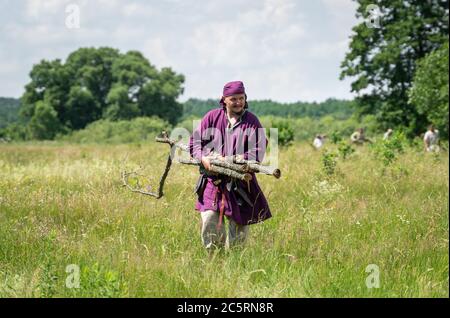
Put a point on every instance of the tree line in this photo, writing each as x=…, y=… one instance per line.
x=196, y=108
x=340, y=109
x=9, y=111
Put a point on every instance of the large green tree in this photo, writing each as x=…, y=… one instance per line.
x=430, y=89
x=382, y=57
x=96, y=83
x=44, y=124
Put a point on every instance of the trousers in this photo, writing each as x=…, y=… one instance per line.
x=212, y=237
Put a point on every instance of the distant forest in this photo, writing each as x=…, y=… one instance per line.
x=9, y=111
x=339, y=109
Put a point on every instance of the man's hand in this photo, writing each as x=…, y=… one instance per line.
x=238, y=158
x=206, y=163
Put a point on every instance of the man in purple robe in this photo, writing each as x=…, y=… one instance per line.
x=229, y=131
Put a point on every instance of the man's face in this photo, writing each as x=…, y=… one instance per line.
x=235, y=103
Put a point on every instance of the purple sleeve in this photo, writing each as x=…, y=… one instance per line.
x=195, y=142
x=257, y=142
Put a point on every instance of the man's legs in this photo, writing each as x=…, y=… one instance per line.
x=211, y=237
x=237, y=233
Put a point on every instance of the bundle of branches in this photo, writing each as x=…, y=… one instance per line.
x=234, y=167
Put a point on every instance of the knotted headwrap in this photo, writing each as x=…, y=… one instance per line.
x=233, y=88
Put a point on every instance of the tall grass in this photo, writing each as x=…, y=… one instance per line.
x=63, y=204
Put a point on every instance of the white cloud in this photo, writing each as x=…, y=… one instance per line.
x=130, y=9
x=154, y=49
x=342, y=13
x=39, y=8
x=260, y=35
x=278, y=12
x=285, y=50
x=323, y=50
x=221, y=44
x=138, y=10
x=8, y=68
x=109, y=3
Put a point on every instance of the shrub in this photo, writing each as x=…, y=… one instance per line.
x=345, y=149
x=387, y=150
x=285, y=131
x=187, y=123
x=124, y=131
x=335, y=137
x=329, y=162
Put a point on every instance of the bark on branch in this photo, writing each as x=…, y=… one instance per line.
x=160, y=192
x=234, y=167
x=239, y=165
x=221, y=167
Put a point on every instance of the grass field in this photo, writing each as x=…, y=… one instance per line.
x=63, y=204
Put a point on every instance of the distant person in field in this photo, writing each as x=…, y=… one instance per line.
x=318, y=142
x=230, y=130
x=388, y=134
x=358, y=137
x=431, y=139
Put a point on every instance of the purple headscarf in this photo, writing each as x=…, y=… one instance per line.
x=233, y=88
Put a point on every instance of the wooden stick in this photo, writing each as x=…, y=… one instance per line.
x=241, y=175
x=239, y=169
x=245, y=167
x=250, y=165
x=160, y=192
x=231, y=173
x=266, y=170
x=255, y=166
x=171, y=142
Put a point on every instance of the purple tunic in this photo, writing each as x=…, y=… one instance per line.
x=245, y=138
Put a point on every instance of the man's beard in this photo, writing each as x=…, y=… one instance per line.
x=237, y=113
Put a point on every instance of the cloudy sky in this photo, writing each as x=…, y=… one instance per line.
x=284, y=50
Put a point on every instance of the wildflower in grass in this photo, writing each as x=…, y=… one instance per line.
x=325, y=187
x=403, y=219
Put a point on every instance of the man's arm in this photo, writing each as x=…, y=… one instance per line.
x=257, y=143
x=197, y=142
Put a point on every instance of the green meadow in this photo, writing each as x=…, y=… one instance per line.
x=62, y=206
